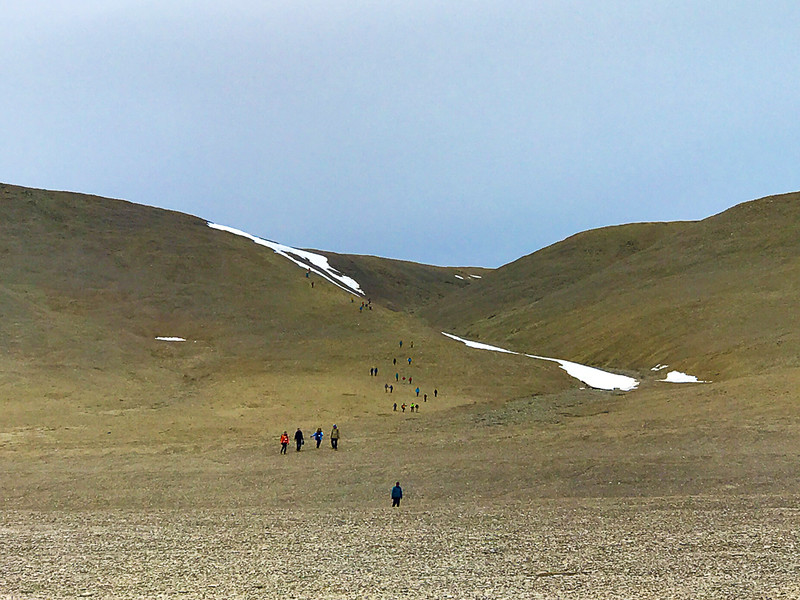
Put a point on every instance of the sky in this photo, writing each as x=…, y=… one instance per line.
x=455, y=133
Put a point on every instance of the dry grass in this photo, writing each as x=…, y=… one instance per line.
x=137, y=469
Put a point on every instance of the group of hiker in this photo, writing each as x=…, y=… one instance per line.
x=389, y=388
x=317, y=436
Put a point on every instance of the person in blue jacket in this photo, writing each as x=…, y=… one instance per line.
x=317, y=435
x=397, y=494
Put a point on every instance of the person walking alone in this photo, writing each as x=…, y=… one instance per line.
x=284, y=442
x=335, y=438
x=298, y=439
x=397, y=494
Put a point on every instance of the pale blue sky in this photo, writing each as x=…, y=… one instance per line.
x=453, y=133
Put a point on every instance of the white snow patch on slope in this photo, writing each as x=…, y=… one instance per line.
x=591, y=376
x=307, y=260
x=659, y=367
x=478, y=345
x=476, y=276
x=170, y=339
x=459, y=277
x=678, y=377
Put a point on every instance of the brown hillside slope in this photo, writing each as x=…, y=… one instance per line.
x=87, y=284
x=403, y=285
x=716, y=297
x=137, y=469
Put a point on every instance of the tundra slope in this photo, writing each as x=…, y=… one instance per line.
x=137, y=468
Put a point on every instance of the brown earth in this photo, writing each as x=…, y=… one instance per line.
x=133, y=468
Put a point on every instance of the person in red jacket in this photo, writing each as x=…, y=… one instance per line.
x=284, y=442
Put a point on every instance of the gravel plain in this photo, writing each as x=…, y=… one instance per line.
x=737, y=547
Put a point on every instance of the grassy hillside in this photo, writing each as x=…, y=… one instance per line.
x=136, y=468
x=401, y=285
x=717, y=297
x=87, y=284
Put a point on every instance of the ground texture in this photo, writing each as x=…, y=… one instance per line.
x=738, y=547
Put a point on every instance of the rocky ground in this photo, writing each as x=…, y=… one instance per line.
x=701, y=547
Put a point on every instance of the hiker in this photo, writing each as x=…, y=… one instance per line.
x=298, y=439
x=409, y=380
x=391, y=389
x=409, y=360
x=401, y=343
x=317, y=435
x=435, y=393
x=397, y=494
x=395, y=407
x=394, y=361
x=403, y=407
x=385, y=388
x=397, y=376
x=284, y=442
x=335, y=438
x=417, y=390
x=424, y=397
x=371, y=372
x=376, y=371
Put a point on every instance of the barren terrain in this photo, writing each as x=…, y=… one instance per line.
x=137, y=468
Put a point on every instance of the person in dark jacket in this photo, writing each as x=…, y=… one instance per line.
x=397, y=494
x=298, y=439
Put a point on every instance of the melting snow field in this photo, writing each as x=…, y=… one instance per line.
x=591, y=376
x=170, y=339
x=307, y=260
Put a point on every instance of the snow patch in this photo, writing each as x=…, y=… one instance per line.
x=476, y=276
x=659, y=367
x=591, y=376
x=316, y=263
x=459, y=277
x=478, y=345
x=170, y=339
x=678, y=377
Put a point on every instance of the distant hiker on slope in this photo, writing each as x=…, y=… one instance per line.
x=417, y=390
x=317, y=435
x=397, y=494
x=298, y=439
x=335, y=438
x=284, y=442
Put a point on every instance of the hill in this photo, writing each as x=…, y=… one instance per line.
x=87, y=284
x=136, y=467
x=714, y=297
